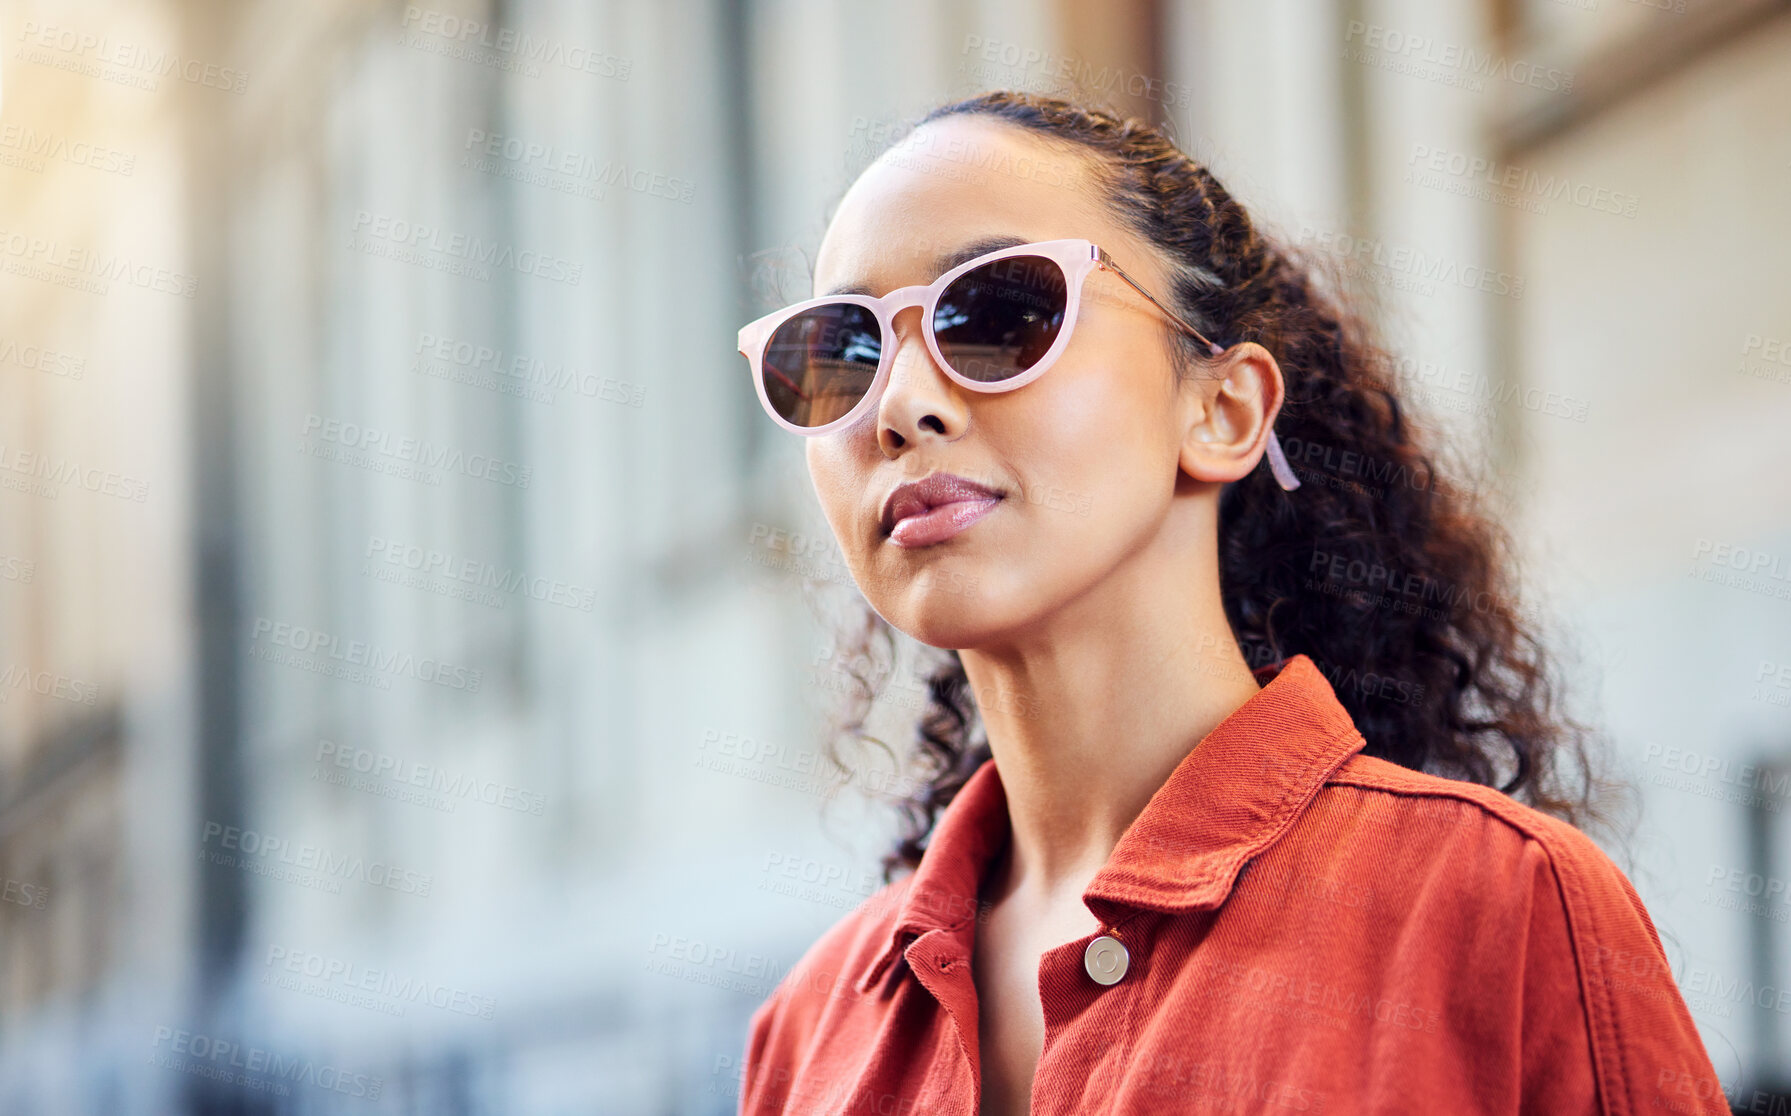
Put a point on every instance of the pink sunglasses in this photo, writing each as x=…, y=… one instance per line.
x=992, y=324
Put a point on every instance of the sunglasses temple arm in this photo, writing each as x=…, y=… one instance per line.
x=1107, y=262
x=1284, y=474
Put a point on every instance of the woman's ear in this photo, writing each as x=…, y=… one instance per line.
x=1230, y=411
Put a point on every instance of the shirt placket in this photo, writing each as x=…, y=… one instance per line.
x=1073, y=978
x=940, y=960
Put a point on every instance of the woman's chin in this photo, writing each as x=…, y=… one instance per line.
x=947, y=622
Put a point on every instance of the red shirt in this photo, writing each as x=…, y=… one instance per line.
x=1307, y=929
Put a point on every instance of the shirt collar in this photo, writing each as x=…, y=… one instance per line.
x=1234, y=794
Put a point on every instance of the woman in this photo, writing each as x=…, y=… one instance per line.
x=1242, y=827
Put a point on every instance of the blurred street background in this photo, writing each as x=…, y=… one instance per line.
x=410, y=695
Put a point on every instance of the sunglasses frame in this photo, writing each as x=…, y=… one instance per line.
x=1075, y=256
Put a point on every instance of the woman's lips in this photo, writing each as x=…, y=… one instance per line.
x=941, y=522
x=934, y=508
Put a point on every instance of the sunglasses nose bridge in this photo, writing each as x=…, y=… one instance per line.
x=900, y=299
x=898, y=302
x=907, y=344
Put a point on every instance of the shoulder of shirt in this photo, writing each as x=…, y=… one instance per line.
x=1587, y=876
x=1424, y=791
x=1627, y=996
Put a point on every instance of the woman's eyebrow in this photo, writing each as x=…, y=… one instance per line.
x=964, y=253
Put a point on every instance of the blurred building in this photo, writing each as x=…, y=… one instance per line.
x=408, y=700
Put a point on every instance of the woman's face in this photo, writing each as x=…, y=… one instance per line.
x=1085, y=457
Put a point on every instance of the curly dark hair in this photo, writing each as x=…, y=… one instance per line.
x=1390, y=579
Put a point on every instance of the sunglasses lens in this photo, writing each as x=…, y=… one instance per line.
x=996, y=321
x=819, y=364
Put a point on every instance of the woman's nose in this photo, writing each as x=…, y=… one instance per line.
x=920, y=401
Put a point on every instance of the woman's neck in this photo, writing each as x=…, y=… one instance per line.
x=1088, y=716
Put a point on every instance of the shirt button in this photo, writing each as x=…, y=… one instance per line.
x=1106, y=960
